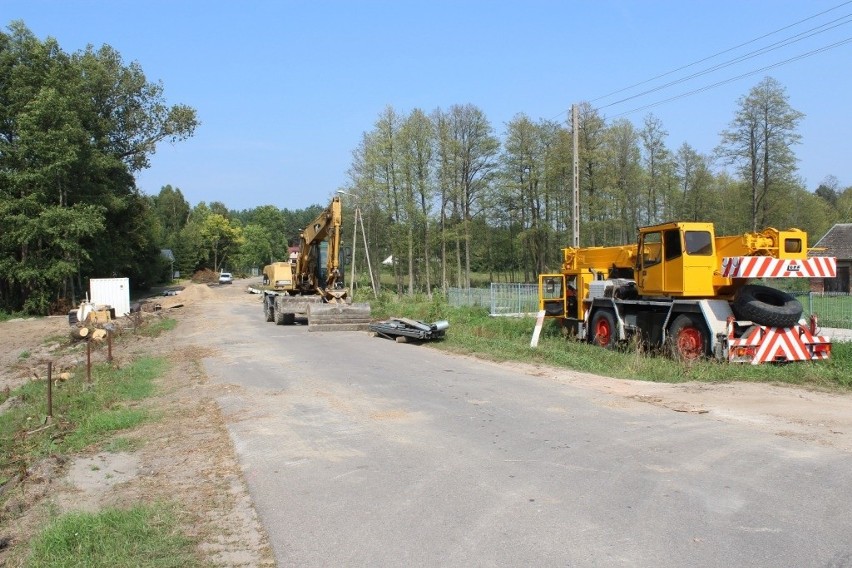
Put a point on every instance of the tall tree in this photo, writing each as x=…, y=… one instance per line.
x=417, y=143
x=655, y=155
x=468, y=150
x=759, y=141
x=695, y=180
x=594, y=205
x=828, y=190
x=221, y=238
x=171, y=211
x=624, y=192
x=526, y=183
x=73, y=130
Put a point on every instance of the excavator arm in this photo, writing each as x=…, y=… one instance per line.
x=324, y=228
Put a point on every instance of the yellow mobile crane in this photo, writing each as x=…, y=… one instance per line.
x=314, y=276
x=683, y=287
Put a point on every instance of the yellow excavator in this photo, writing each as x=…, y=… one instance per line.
x=682, y=287
x=310, y=285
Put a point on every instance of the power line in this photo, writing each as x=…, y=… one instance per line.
x=738, y=77
x=694, y=63
x=762, y=51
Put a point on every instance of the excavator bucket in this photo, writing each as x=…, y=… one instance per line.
x=338, y=317
x=340, y=296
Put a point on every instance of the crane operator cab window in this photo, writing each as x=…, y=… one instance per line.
x=672, y=244
x=652, y=247
x=699, y=243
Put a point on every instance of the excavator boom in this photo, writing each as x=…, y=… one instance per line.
x=313, y=277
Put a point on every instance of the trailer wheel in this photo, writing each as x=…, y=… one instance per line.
x=767, y=306
x=689, y=338
x=603, y=329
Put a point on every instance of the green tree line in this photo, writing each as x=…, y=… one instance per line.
x=441, y=193
x=446, y=197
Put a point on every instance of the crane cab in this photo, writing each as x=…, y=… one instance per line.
x=677, y=260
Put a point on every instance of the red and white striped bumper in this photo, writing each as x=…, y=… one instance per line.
x=762, y=344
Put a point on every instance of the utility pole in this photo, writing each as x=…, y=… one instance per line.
x=575, y=126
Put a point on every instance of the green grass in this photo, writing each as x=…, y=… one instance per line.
x=6, y=316
x=155, y=328
x=144, y=536
x=24, y=355
x=83, y=413
x=473, y=331
x=122, y=444
x=55, y=338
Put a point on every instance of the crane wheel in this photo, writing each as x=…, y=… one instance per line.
x=764, y=305
x=689, y=339
x=603, y=329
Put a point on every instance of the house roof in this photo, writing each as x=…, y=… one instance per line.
x=836, y=242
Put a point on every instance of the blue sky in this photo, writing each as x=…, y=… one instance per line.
x=285, y=89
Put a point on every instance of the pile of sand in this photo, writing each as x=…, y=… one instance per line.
x=189, y=295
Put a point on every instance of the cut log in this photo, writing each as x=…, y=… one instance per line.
x=99, y=335
x=79, y=332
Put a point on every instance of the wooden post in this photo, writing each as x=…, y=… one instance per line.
x=109, y=345
x=88, y=361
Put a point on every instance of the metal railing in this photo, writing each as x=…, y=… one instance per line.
x=501, y=299
x=833, y=309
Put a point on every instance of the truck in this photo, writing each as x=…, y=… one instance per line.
x=683, y=289
x=310, y=283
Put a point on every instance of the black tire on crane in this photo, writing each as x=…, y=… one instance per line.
x=269, y=310
x=766, y=306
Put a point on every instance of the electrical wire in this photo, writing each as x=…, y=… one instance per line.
x=694, y=63
x=761, y=51
x=738, y=77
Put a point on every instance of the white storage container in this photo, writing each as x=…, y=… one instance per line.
x=114, y=292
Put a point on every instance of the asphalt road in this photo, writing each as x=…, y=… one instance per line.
x=359, y=451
